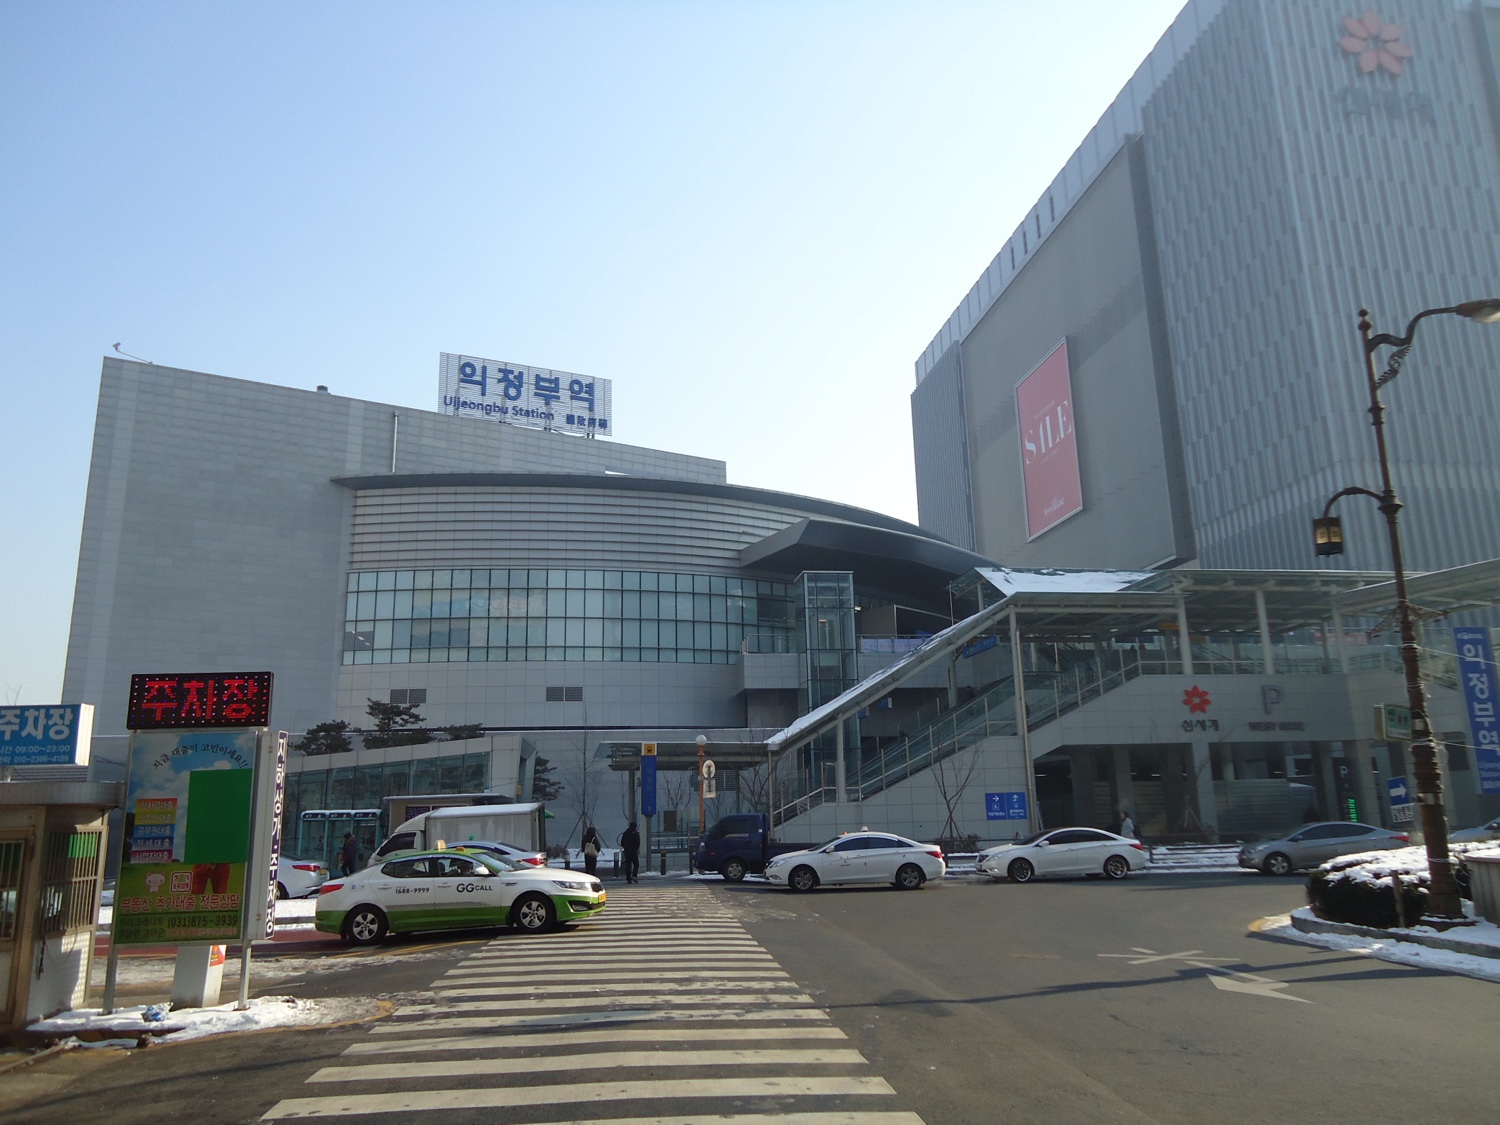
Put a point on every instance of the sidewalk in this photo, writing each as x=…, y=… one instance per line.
x=1472, y=951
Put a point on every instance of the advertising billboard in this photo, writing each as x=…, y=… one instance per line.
x=519, y=395
x=1476, y=675
x=187, y=836
x=1049, y=443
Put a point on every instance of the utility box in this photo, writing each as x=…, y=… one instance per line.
x=53, y=841
x=1484, y=883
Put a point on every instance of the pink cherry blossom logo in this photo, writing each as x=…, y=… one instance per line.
x=1377, y=44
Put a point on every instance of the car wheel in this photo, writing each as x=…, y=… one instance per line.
x=733, y=870
x=533, y=914
x=1117, y=867
x=1020, y=871
x=365, y=925
x=802, y=879
x=910, y=877
x=281, y=891
x=1277, y=863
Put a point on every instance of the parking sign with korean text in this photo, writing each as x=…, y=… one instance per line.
x=46, y=734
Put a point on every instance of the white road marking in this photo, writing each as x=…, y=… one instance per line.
x=427, y=1101
x=1226, y=980
x=593, y=1060
x=569, y=1019
x=592, y=987
x=520, y=1041
x=560, y=1002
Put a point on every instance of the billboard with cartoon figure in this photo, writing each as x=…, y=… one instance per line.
x=187, y=836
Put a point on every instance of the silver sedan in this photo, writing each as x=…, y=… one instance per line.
x=1315, y=844
x=859, y=857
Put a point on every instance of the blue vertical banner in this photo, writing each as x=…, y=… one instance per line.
x=1476, y=676
x=648, y=779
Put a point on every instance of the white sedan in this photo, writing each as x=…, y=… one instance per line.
x=1483, y=833
x=1064, y=851
x=859, y=857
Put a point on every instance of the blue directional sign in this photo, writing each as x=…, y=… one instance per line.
x=1400, y=791
x=1005, y=806
x=648, y=779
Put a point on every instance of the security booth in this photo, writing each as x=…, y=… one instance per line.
x=52, y=849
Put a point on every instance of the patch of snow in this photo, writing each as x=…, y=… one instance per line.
x=127, y=1025
x=1402, y=952
x=1050, y=580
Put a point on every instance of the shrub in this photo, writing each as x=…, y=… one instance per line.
x=1360, y=889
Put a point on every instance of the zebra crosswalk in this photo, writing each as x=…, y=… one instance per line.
x=663, y=1011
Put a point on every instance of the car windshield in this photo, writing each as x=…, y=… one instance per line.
x=493, y=862
x=830, y=843
x=1033, y=838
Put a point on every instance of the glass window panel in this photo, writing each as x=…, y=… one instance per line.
x=593, y=603
x=612, y=633
x=424, y=776
x=479, y=603
x=535, y=653
x=556, y=580
x=702, y=608
x=718, y=637
x=366, y=580
x=460, y=579
x=385, y=604
x=630, y=633
x=573, y=631
x=422, y=579
x=613, y=600
x=536, y=632
x=476, y=772
x=575, y=580
x=569, y=654
x=495, y=654
x=367, y=787
x=612, y=579
x=593, y=631
x=458, y=633
x=630, y=604
x=403, y=579
x=633, y=655
x=650, y=630
x=736, y=636
x=688, y=656
x=684, y=607
x=593, y=580
x=631, y=580
x=593, y=654
x=341, y=788
x=648, y=581
x=442, y=603
x=382, y=634
x=351, y=605
x=442, y=579
x=557, y=603
x=421, y=603
x=395, y=779
x=458, y=604
x=402, y=604
x=574, y=603
x=420, y=656
x=400, y=656
x=366, y=605
x=437, y=655
x=352, y=585
x=515, y=632
x=702, y=633
x=478, y=655
x=479, y=632
x=555, y=629
x=385, y=580
x=700, y=584
x=650, y=605
x=400, y=634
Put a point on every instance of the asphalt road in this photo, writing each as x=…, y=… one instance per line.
x=1087, y=1001
x=1069, y=1002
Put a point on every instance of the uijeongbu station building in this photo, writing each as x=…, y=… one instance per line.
x=580, y=600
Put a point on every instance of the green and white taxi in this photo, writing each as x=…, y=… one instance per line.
x=446, y=890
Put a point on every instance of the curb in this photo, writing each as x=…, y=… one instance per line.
x=1432, y=941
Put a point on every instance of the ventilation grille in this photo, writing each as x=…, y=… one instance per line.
x=409, y=697
x=565, y=695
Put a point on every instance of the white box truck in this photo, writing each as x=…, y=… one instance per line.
x=521, y=825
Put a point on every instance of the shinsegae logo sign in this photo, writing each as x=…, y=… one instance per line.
x=1375, y=44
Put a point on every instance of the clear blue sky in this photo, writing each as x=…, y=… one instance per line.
x=751, y=217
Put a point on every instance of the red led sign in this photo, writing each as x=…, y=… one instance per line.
x=200, y=699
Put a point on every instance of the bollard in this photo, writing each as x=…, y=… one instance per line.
x=664, y=861
x=617, y=863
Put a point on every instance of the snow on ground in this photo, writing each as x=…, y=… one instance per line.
x=1402, y=952
x=126, y=1026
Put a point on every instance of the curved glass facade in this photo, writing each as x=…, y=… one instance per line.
x=446, y=616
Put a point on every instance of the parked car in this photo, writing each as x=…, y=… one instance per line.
x=739, y=844
x=447, y=890
x=1063, y=851
x=1313, y=844
x=1483, y=833
x=298, y=878
x=859, y=857
x=528, y=856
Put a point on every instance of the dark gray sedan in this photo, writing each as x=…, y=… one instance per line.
x=1314, y=844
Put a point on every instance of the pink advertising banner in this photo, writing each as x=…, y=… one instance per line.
x=1049, y=443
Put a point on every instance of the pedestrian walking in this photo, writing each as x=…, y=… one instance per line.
x=630, y=846
x=592, y=846
x=1127, y=826
x=349, y=857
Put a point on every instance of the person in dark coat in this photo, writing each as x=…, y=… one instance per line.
x=630, y=847
x=592, y=846
x=349, y=857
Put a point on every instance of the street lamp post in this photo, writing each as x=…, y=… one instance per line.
x=1443, y=898
x=702, y=742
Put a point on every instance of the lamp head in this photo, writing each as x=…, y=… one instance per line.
x=1485, y=312
x=1328, y=536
